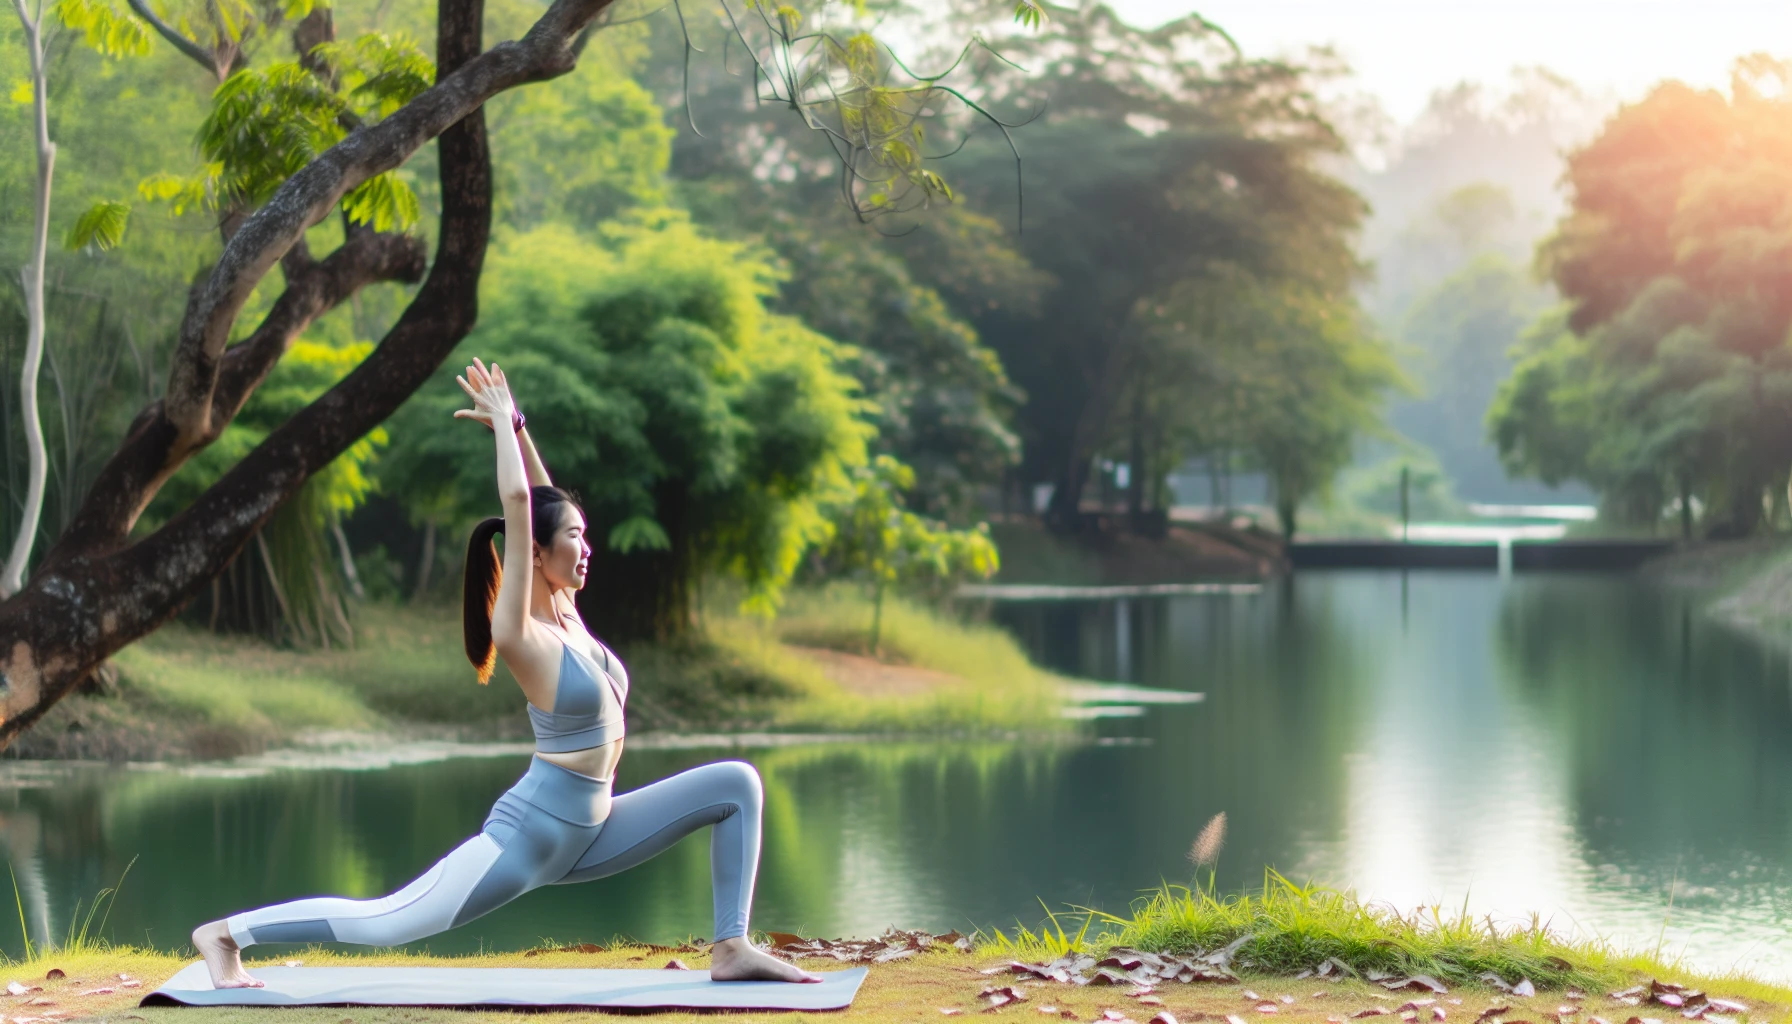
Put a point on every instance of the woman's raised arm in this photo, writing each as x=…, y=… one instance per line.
x=491, y=398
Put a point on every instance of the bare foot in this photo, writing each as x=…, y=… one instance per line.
x=737, y=960
x=222, y=957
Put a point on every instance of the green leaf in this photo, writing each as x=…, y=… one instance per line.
x=101, y=224
x=638, y=532
x=383, y=201
x=1028, y=13
x=105, y=29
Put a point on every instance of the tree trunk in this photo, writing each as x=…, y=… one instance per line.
x=426, y=562
x=98, y=589
x=644, y=594
x=1685, y=510
x=12, y=577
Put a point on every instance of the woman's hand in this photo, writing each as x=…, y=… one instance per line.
x=490, y=392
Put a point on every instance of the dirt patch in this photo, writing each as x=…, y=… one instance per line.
x=868, y=677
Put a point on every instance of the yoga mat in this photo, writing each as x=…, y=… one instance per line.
x=506, y=986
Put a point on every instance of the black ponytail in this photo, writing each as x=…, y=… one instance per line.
x=485, y=572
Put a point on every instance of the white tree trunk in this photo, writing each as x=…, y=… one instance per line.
x=13, y=576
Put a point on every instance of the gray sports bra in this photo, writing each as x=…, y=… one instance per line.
x=587, y=704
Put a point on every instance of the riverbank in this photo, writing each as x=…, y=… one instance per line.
x=1187, y=551
x=187, y=694
x=938, y=981
x=1746, y=584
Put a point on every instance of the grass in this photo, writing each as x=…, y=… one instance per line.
x=984, y=680
x=187, y=693
x=1286, y=928
x=902, y=992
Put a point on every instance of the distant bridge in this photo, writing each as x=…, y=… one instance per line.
x=1509, y=555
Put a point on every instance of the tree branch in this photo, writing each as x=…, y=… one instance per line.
x=199, y=54
x=309, y=196
x=153, y=450
x=72, y=614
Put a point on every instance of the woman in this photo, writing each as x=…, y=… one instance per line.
x=559, y=823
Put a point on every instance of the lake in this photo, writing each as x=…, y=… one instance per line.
x=1581, y=747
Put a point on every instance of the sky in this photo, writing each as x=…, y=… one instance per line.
x=1403, y=50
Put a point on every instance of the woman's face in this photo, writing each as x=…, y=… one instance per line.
x=563, y=562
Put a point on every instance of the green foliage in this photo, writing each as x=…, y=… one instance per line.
x=1172, y=168
x=102, y=225
x=662, y=392
x=940, y=398
x=578, y=150
x=1670, y=377
x=268, y=123
x=1280, y=372
x=107, y=30
x=877, y=538
x=303, y=566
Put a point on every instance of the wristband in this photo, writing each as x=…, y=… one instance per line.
x=517, y=419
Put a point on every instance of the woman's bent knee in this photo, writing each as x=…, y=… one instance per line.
x=739, y=782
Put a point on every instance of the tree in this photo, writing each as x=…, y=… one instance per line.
x=1164, y=159
x=878, y=539
x=702, y=434
x=1668, y=378
x=111, y=35
x=99, y=587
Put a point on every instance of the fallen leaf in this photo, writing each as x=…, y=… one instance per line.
x=1106, y=976
x=105, y=991
x=1232, y=1018
x=1492, y=1011
x=1288, y=1000
x=1410, y=1016
x=55, y=974
x=1598, y=1020
x=893, y=954
x=1373, y=1011
x=1416, y=1004
x=1627, y=993
x=1046, y=1009
x=1266, y=1008
x=1125, y=963
x=1163, y=1017
x=676, y=965
x=1673, y=999
x=1574, y=993
x=1567, y=1010
x=1665, y=986
x=1437, y=1013
x=1726, y=1005
x=133, y=983
x=13, y=988
x=1151, y=1001
x=1424, y=981
x=1067, y=1014
x=1495, y=981
x=1712, y=1018
x=950, y=1011
x=1007, y=993
x=1112, y=1015
x=1252, y=996
x=42, y=1001
x=1524, y=988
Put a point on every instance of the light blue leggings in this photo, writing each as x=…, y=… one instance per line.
x=553, y=827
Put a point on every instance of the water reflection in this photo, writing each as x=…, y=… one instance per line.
x=1578, y=747
x=1574, y=746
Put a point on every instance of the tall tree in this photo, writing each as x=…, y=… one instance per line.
x=1163, y=158
x=99, y=587
x=1669, y=378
